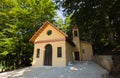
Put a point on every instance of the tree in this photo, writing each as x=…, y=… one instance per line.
x=98, y=20
x=19, y=19
x=64, y=25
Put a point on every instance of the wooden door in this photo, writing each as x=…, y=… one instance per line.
x=76, y=55
x=48, y=55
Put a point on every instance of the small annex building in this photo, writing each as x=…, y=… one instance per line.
x=52, y=47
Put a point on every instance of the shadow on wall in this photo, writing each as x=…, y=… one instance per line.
x=104, y=60
x=109, y=62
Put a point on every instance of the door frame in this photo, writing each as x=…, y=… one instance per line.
x=48, y=55
x=76, y=56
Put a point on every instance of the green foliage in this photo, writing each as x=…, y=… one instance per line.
x=98, y=20
x=19, y=19
x=64, y=24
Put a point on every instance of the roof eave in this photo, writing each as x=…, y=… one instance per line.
x=40, y=30
x=70, y=41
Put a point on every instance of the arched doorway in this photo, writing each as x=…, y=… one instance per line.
x=48, y=55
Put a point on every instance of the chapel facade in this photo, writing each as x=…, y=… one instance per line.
x=52, y=47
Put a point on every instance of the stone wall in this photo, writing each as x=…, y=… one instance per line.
x=104, y=60
x=115, y=72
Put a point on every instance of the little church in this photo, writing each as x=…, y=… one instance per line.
x=52, y=47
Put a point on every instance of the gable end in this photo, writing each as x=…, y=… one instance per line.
x=42, y=28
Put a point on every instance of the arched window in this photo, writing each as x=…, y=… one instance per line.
x=75, y=33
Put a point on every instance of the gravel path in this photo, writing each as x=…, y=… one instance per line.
x=78, y=70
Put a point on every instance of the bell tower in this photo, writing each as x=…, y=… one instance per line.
x=76, y=40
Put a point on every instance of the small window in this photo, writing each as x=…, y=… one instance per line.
x=75, y=33
x=59, y=52
x=83, y=51
x=38, y=53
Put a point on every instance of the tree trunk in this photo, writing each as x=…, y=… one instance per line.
x=109, y=32
x=110, y=35
x=14, y=66
x=20, y=58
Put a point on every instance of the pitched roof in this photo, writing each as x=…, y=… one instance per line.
x=43, y=27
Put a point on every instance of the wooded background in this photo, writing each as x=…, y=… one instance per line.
x=97, y=20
